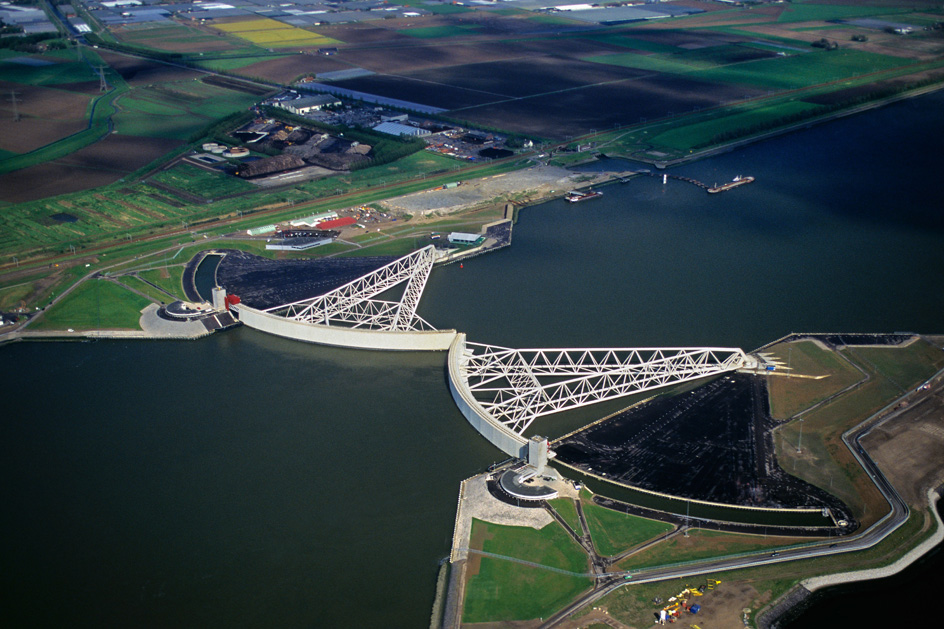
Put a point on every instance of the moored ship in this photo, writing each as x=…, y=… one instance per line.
x=575, y=196
x=737, y=181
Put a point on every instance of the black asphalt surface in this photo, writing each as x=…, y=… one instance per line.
x=712, y=443
x=263, y=283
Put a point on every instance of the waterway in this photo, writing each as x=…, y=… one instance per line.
x=246, y=480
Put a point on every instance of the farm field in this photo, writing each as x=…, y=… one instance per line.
x=670, y=87
x=201, y=182
x=282, y=69
x=272, y=33
x=173, y=37
x=96, y=165
x=177, y=109
x=57, y=101
x=63, y=144
x=46, y=114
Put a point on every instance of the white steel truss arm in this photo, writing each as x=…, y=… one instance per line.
x=517, y=386
x=353, y=304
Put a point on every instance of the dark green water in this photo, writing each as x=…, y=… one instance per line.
x=245, y=480
x=204, y=279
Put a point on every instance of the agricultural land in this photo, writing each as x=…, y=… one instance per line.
x=108, y=119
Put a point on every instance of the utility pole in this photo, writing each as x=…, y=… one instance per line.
x=16, y=111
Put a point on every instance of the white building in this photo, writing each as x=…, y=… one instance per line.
x=460, y=238
x=306, y=104
x=395, y=128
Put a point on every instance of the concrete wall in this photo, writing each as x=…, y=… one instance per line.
x=501, y=436
x=438, y=340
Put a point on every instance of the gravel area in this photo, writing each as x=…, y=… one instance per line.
x=476, y=502
x=532, y=183
x=156, y=327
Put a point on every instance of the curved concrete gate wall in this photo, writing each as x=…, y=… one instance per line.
x=434, y=340
x=499, y=435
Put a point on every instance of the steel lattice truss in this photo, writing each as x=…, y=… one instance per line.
x=353, y=305
x=516, y=386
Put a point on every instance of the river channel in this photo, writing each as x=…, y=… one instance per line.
x=247, y=480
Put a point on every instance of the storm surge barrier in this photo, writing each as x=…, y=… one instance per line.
x=501, y=391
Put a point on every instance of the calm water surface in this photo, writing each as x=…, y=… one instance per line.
x=245, y=480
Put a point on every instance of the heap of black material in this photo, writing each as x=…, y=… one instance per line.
x=263, y=283
x=712, y=443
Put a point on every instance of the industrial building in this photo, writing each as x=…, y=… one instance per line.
x=314, y=219
x=395, y=128
x=307, y=104
x=459, y=238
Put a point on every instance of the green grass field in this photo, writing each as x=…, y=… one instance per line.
x=905, y=367
x=136, y=284
x=61, y=70
x=796, y=71
x=808, y=12
x=502, y=590
x=565, y=507
x=613, y=532
x=202, y=182
x=13, y=296
x=176, y=109
x=94, y=305
x=232, y=61
x=789, y=396
x=436, y=32
x=701, y=544
x=685, y=137
x=169, y=278
x=628, y=41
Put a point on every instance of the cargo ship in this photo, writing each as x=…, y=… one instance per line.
x=575, y=196
x=737, y=181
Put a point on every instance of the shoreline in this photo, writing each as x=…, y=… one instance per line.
x=766, y=135
x=801, y=592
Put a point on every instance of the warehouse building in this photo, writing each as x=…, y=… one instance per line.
x=395, y=128
x=460, y=238
x=306, y=104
